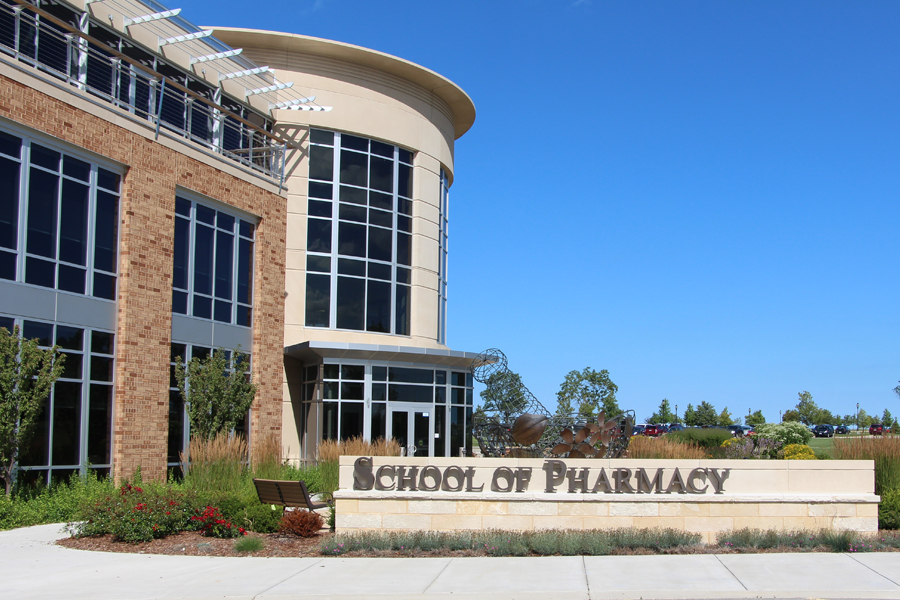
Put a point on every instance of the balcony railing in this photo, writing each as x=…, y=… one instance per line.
x=164, y=102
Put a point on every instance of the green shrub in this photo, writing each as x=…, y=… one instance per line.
x=56, y=504
x=262, y=518
x=789, y=432
x=889, y=510
x=705, y=438
x=212, y=524
x=137, y=514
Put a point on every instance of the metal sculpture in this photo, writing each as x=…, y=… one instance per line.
x=527, y=428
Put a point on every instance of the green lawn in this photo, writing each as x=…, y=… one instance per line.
x=822, y=444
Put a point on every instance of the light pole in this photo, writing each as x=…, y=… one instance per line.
x=857, y=418
x=676, y=413
x=780, y=418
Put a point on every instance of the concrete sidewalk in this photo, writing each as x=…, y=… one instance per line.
x=31, y=566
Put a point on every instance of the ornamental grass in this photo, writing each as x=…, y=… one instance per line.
x=215, y=465
x=664, y=447
x=331, y=450
x=885, y=451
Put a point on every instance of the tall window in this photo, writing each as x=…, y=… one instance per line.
x=59, y=218
x=213, y=274
x=442, y=259
x=359, y=234
x=74, y=429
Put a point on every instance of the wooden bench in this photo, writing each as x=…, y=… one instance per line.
x=286, y=493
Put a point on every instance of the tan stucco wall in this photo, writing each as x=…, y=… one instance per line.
x=783, y=495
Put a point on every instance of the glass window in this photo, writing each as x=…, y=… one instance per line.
x=58, y=198
x=366, y=227
x=217, y=282
x=80, y=401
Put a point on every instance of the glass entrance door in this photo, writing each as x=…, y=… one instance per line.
x=411, y=426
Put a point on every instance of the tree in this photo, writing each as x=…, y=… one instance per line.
x=592, y=391
x=690, y=416
x=706, y=414
x=807, y=408
x=755, y=419
x=790, y=415
x=724, y=419
x=218, y=391
x=27, y=374
x=887, y=419
x=505, y=394
x=663, y=414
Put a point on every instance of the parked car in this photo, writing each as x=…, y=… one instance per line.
x=876, y=429
x=736, y=430
x=825, y=431
x=676, y=427
x=638, y=430
x=652, y=431
x=841, y=430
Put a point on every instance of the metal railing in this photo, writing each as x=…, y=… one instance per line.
x=162, y=101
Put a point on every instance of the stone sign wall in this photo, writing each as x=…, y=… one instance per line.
x=704, y=496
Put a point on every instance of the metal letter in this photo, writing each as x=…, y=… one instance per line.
x=645, y=485
x=404, y=479
x=603, y=484
x=556, y=473
x=380, y=473
x=433, y=472
x=458, y=474
x=470, y=487
x=507, y=474
x=576, y=482
x=677, y=483
x=622, y=485
x=362, y=474
x=718, y=479
x=523, y=476
x=701, y=473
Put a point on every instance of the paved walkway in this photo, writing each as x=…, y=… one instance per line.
x=32, y=567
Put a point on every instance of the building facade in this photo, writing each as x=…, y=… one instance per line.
x=367, y=229
x=136, y=226
x=165, y=192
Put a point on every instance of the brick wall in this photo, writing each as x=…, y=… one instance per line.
x=140, y=430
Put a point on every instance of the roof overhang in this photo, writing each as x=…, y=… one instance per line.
x=314, y=352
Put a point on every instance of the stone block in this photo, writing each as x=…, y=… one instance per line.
x=659, y=522
x=558, y=522
x=583, y=509
x=382, y=506
x=508, y=522
x=431, y=507
x=756, y=522
x=357, y=521
x=455, y=522
x=867, y=510
x=545, y=509
x=346, y=506
x=866, y=524
x=733, y=509
x=783, y=510
x=806, y=523
x=832, y=510
x=608, y=522
x=417, y=522
x=700, y=524
x=684, y=509
x=476, y=507
x=634, y=509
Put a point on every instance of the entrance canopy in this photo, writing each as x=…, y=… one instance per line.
x=311, y=352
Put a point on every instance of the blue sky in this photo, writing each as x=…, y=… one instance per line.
x=700, y=197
